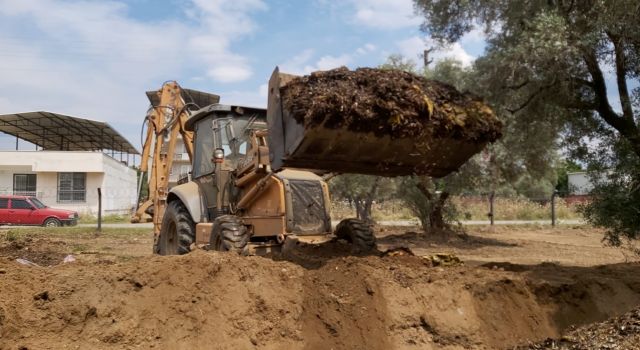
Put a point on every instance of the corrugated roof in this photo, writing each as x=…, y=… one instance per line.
x=58, y=132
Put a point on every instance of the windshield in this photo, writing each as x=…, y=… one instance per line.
x=36, y=202
x=233, y=135
x=229, y=133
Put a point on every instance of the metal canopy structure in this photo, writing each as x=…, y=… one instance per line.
x=57, y=132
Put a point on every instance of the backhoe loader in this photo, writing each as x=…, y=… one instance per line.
x=256, y=178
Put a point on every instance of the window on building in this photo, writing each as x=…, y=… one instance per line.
x=4, y=203
x=20, y=204
x=72, y=187
x=24, y=184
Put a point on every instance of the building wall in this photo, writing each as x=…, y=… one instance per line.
x=119, y=186
x=118, y=181
x=47, y=189
x=6, y=176
x=579, y=183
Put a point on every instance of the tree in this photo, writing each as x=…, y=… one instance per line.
x=399, y=62
x=507, y=166
x=361, y=191
x=547, y=61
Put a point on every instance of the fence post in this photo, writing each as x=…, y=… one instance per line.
x=492, y=196
x=553, y=208
x=99, y=209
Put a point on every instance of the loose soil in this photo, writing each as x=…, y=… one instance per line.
x=389, y=102
x=312, y=297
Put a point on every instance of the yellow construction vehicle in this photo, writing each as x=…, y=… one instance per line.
x=255, y=179
x=165, y=120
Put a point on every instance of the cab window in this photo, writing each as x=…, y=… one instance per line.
x=4, y=203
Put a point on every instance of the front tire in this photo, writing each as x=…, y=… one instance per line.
x=229, y=234
x=177, y=232
x=358, y=233
x=52, y=222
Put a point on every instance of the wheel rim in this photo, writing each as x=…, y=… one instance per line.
x=51, y=223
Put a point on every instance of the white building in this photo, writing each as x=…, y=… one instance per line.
x=579, y=183
x=70, y=165
x=70, y=180
x=181, y=165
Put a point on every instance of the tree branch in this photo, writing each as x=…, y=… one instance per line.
x=621, y=73
x=518, y=86
x=531, y=97
x=626, y=127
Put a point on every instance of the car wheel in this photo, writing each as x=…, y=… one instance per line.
x=52, y=222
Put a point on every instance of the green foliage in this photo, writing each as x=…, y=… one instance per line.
x=615, y=203
x=361, y=191
x=545, y=65
x=399, y=62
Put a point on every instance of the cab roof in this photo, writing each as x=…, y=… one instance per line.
x=222, y=109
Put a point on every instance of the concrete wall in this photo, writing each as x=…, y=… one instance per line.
x=119, y=187
x=118, y=181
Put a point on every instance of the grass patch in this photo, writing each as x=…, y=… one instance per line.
x=106, y=219
x=15, y=233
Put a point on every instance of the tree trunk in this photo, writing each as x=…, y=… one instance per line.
x=436, y=217
x=359, y=208
x=364, y=205
x=436, y=213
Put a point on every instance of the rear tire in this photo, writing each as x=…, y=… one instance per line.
x=229, y=234
x=177, y=232
x=358, y=233
x=52, y=222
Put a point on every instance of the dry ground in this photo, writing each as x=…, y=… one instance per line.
x=517, y=285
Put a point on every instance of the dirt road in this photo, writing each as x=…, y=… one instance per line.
x=116, y=296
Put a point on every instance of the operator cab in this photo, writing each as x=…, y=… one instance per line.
x=223, y=128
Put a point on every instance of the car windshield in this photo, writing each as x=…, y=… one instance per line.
x=36, y=202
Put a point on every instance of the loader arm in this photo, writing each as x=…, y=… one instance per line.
x=165, y=121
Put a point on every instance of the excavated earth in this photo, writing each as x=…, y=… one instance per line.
x=316, y=297
x=389, y=102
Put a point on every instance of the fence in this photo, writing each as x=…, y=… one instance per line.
x=484, y=208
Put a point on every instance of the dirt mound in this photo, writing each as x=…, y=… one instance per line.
x=219, y=300
x=621, y=332
x=389, y=102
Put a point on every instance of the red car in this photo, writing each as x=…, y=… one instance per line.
x=24, y=210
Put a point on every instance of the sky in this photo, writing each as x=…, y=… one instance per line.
x=96, y=58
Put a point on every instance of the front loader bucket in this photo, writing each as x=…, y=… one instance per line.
x=320, y=149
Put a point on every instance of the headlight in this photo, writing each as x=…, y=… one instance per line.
x=72, y=216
